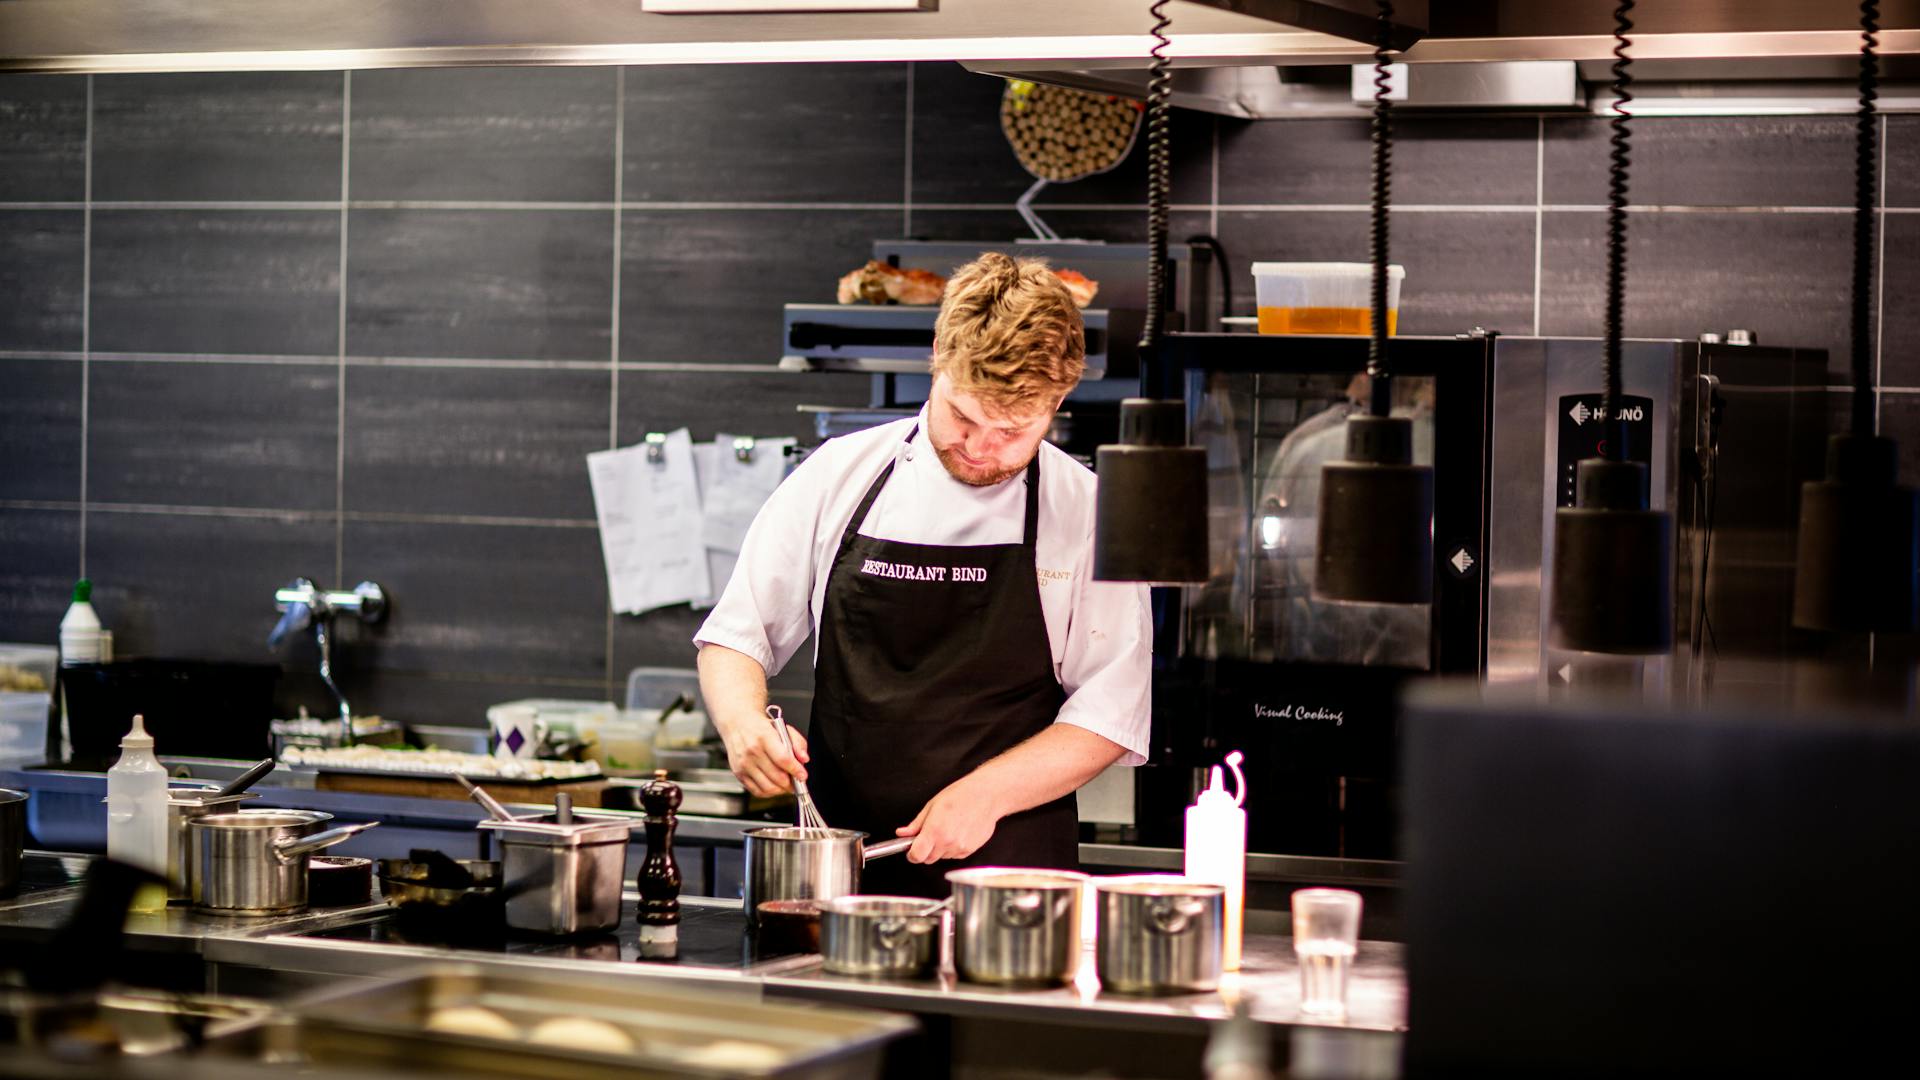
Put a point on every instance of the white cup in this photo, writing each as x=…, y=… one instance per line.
x=518, y=730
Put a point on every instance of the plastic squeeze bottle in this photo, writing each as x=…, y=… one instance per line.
x=137, y=812
x=1217, y=848
x=80, y=629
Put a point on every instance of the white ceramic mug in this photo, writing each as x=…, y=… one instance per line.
x=518, y=730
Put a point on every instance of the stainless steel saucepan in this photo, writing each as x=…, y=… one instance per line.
x=254, y=862
x=788, y=863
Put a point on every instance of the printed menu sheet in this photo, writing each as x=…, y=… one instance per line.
x=733, y=493
x=651, y=525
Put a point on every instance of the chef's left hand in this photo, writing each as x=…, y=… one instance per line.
x=955, y=824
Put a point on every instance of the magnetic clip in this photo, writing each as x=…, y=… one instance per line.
x=656, y=447
x=743, y=449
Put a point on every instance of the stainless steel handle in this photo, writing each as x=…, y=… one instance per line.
x=289, y=848
x=885, y=848
x=488, y=802
x=1022, y=912
x=246, y=779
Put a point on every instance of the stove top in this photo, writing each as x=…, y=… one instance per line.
x=710, y=937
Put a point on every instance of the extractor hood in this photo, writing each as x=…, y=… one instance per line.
x=240, y=35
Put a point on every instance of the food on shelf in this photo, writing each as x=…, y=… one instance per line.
x=732, y=1055
x=582, y=1033
x=1080, y=286
x=878, y=283
x=16, y=678
x=472, y=1020
x=436, y=763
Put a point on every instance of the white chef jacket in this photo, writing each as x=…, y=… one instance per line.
x=1100, y=632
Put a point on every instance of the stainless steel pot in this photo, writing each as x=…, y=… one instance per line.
x=1016, y=926
x=1157, y=936
x=562, y=879
x=183, y=806
x=788, y=863
x=890, y=937
x=254, y=862
x=13, y=838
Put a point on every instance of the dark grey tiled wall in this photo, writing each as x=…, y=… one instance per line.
x=366, y=325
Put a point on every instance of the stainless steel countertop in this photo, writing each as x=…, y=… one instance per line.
x=1269, y=979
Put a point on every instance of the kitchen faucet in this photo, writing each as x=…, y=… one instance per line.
x=305, y=604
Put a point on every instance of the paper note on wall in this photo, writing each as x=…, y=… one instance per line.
x=650, y=525
x=736, y=490
x=719, y=563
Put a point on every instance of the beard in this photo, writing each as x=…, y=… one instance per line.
x=976, y=475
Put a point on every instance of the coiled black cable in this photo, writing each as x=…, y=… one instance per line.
x=1159, y=173
x=1380, y=398
x=1865, y=178
x=1619, y=160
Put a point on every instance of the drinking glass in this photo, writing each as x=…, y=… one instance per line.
x=1326, y=934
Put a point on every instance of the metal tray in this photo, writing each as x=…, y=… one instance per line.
x=386, y=1021
x=478, y=778
x=705, y=793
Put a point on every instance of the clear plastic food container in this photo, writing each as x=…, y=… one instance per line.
x=1322, y=297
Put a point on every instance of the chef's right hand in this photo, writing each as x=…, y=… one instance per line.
x=763, y=765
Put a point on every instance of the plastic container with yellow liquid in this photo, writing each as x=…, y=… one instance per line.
x=1322, y=297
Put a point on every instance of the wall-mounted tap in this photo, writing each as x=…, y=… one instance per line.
x=305, y=605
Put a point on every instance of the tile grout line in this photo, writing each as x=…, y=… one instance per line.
x=340, y=371
x=1539, y=217
x=86, y=321
x=613, y=343
x=1213, y=194
x=906, y=203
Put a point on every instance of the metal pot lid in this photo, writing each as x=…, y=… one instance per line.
x=260, y=819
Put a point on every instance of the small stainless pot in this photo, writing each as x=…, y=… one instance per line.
x=788, y=863
x=889, y=937
x=1156, y=936
x=183, y=806
x=1016, y=926
x=562, y=879
x=254, y=862
x=13, y=838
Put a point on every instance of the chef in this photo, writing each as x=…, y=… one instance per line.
x=969, y=675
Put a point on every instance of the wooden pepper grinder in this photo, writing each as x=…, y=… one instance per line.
x=659, y=880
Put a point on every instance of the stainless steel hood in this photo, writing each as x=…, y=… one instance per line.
x=239, y=35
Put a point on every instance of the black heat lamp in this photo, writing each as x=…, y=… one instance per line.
x=1150, y=523
x=1612, y=589
x=1375, y=542
x=1150, y=520
x=1859, y=547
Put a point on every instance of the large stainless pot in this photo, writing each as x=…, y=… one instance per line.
x=254, y=862
x=893, y=937
x=1156, y=936
x=788, y=863
x=13, y=838
x=183, y=806
x=1017, y=926
x=562, y=878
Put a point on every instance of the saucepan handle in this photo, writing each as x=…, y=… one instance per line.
x=289, y=848
x=885, y=848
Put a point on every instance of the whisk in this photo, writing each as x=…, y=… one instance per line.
x=809, y=817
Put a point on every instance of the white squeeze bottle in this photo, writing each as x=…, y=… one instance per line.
x=137, y=811
x=80, y=629
x=1217, y=848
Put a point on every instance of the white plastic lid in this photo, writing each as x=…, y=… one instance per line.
x=1216, y=792
x=137, y=737
x=1323, y=269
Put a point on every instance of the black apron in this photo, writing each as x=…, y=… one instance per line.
x=933, y=660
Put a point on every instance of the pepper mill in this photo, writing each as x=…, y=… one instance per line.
x=659, y=879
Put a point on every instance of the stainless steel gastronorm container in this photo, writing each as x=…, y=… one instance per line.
x=183, y=806
x=1015, y=925
x=789, y=863
x=562, y=879
x=887, y=937
x=254, y=862
x=1158, y=936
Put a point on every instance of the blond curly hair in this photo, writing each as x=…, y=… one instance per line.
x=1009, y=334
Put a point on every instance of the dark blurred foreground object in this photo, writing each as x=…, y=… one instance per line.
x=193, y=708
x=1613, y=893
x=85, y=953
